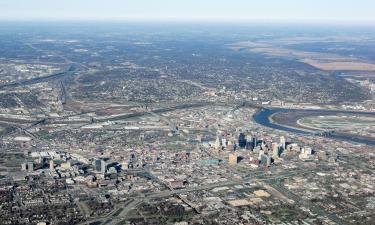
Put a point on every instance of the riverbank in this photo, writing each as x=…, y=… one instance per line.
x=266, y=118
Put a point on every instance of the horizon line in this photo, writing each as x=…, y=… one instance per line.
x=196, y=20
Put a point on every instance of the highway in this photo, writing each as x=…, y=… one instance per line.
x=155, y=111
x=36, y=80
x=63, y=120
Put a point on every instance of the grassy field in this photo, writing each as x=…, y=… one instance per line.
x=337, y=121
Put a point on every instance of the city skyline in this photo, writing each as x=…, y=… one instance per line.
x=187, y=112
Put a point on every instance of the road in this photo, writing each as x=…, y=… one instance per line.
x=115, y=217
x=63, y=120
x=36, y=80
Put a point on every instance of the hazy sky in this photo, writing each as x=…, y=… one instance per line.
x=222, y=10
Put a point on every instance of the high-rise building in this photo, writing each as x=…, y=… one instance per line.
x=30, y=167
x=275, y=150
x=242, y=140
x=224, y=142
x=232, y=159
x=217, y=143
x=103, y=166
x=282, y=143
x=294, y=147
x=98, y=164
x=254, y=141
x=307, y=151
x=51, y=164
x=249, y=146
x=24, y=166
x=322, y=155
x=247, y=136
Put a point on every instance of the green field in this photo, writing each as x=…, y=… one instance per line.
x=338, y=122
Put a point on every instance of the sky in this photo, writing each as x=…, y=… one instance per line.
x=176, y=10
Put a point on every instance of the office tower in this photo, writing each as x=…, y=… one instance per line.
x=275, y=150
x=232, y=159
x=294, y=147
x=217, y=143
x=306, y=151
x=24, y=166
x=282, y=142
x=249, y=146
x=242, y=140
x=322, y=155
x=247, y=137
x=51, y=165
x=103, y=166
x=30, y=166
x=255, y=141
x=224, y=142
x=98, y=164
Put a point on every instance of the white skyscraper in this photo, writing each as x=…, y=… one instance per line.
x=218, y=143
x=103, y=166
x=275, y=150
x=282, y=142
x=224, y=142
x=30, y=167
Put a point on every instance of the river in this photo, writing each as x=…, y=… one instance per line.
x=263, y=117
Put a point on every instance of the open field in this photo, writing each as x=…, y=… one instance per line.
x=347, y=124
x=320, y=60
x=324, y=122
x=340, y=65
